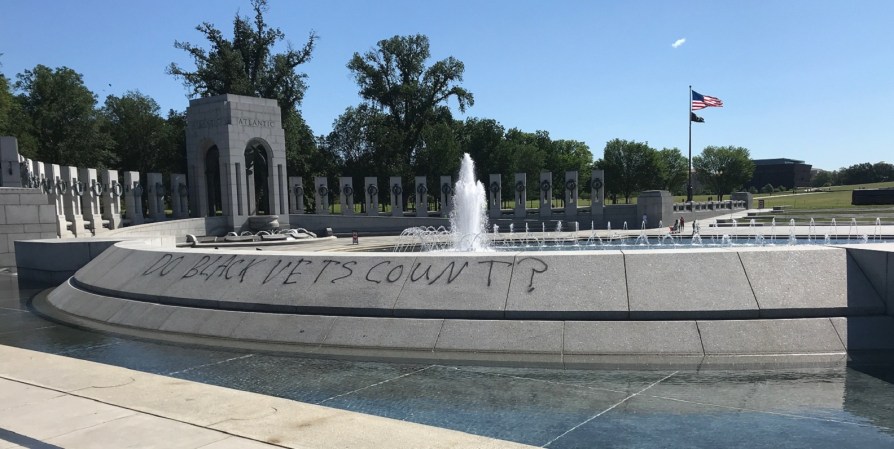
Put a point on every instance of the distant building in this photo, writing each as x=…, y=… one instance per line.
x=779, y=172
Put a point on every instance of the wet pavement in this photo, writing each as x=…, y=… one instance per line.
x=810, y=407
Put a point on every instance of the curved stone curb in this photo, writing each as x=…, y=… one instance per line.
x=557, y=344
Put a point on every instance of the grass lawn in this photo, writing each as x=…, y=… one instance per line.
x=829, y=203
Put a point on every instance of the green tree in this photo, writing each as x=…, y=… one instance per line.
x=674, y=170
x=823, y=178
x=394, y=78
x=247, y=65
x=571, y=155
x=172, y=157
x=631, y=167
x=519, y=152
x=723, y=169
x=62, y=119
x=483, y=140
x=440, y=151
x=7, y=103
x=360, y=140
x=866, y=172
x=137, y=130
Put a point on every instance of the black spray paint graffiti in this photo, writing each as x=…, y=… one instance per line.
x=290, y=271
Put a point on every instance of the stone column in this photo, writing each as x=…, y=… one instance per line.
x=745, y=197
x=90, y=201
x=111, y=198
x=279, y=184
x=493, y=195
x=597, y=194
x=321, y=194
x=346, y=198
x=179, y=196
x=71, y=200
x=546, y=194
x=421, y=197
x=521, y=195
x=446, y=195
x=397, y=196
x=156, y=193
x=657, y=205
x=133, y=198
x=372, y=195
x=571, y=194
x=296, y=195
x=56, y=189
x=27, y=173
x=38, y=174
x=10, y=170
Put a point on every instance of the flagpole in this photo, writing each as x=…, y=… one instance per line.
x=689, y=186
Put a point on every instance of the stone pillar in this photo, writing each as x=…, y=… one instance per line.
x=546, y=194
x=371, y=192
x=296, y=195
x=746, y=197
x=521, y=195
x=597, y=195
x=346, y=198
x=133, y=198
x=657, y=205
x=156, y=192
x=71, y=200
x=397, y=196
x=10, y=170
x=56, y=188
x=179, y=196
x=280, y=186
x=571, y=194
x=111, y=198
x=38, y=174
x=446, y=195
x=90, y=200
x=421, y=197
x=28, y=178
x=494, y=186
x=321, y=194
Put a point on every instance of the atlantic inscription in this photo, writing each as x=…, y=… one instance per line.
x=304, y=271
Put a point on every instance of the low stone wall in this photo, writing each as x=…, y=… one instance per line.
x=695, y=307
x=55, y=260
x=24, y=214
x=872, y=196
x=175, y=228
x=638, y=284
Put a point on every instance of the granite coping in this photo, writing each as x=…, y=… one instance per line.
x=688, y=285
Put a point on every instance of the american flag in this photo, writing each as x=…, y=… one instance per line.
x=700, y=101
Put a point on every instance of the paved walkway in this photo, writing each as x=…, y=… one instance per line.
x=49, y=401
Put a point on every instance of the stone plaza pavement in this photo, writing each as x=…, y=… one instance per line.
x=50, y=401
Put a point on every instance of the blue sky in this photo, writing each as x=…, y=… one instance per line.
x=810, y=80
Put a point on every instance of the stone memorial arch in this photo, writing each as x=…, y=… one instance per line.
x=236, y=159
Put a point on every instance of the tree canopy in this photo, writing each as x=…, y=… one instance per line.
x=723, y=169
x=246, y=65
x=674, y=168
x=630, y=167
x=394, y=79
x=142, y=139
x=63, y=122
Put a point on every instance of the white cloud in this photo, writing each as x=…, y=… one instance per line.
x=677, y=43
